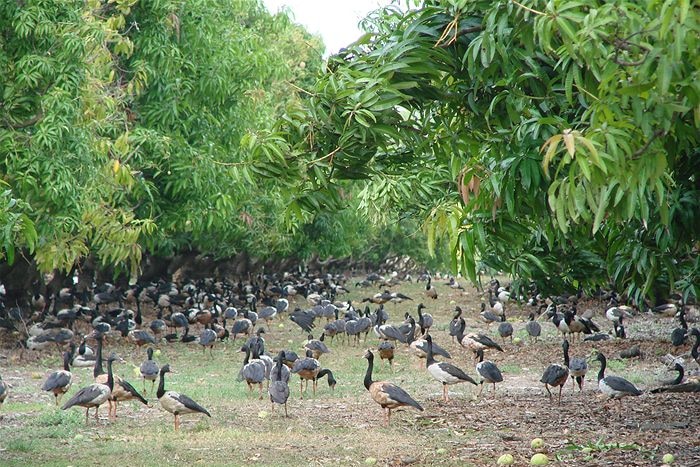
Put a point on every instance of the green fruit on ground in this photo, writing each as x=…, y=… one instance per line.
x=539, y=459
x=506, y=459
x=537, y=443
x=668, y=458
x=370, y=461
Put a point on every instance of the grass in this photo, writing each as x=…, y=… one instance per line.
x=340, y=427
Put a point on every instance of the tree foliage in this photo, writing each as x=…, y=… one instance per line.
x=122, y=123
x=554, y=140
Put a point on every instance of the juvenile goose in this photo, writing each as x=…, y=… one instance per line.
x=316, y=346
x=149, y=370
x=533, y=328
x=614, y=387
x=308, y=369
x=386, y=394
x=207, y=339
x=488, y=371
x=488, y=316
x=577, y=367
x=59, y=382
x=386, y=352
x=556, y=375
x=505, y=329
x=123, y=391
x=93, y=395
x=174, y=402
x=444, y=372
x=474, y=341
x=279, y=387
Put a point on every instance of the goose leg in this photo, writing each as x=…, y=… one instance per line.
x=560, y=389
x=548, y=391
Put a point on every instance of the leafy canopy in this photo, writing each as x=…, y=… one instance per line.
x=555, y=140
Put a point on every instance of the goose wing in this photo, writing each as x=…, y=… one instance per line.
x=187, y=402
x=57, y=379
x=397, y=395
x=619, y=384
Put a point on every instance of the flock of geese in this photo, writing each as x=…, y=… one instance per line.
x=225, y=311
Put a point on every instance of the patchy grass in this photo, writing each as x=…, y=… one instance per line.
x=344, y=427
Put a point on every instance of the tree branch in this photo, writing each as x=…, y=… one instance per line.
x=461, y=33
x=637, y=154
x=26, y=123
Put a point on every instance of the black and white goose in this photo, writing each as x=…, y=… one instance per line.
x=444, y=372
x=279, y=387
x=253, y=370
x=677, y=384
x=578, y=367
x=488, y=371
x=454, y=324
x=59, y=382
x=425, y=320
x=556, y=375
x=680, y=334
x=174, y=402
x=207, y=339
x=85, y=356
x=614, y=387
x=268, y=314
x=93, y=395
x=430, y=290
x=694, y=352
